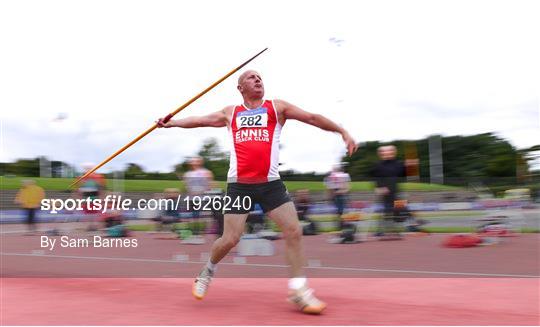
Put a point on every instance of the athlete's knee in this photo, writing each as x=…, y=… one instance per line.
x=293, y=232
x=230, y=240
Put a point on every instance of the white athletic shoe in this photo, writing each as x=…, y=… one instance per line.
x=306, y=301
x=202, y=282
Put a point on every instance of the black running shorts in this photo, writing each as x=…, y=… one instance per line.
x=268, y=195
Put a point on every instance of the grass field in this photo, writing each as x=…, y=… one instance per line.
x=62, y=184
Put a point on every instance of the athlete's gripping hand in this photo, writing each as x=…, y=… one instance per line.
x=165, y=123
x=349, y=143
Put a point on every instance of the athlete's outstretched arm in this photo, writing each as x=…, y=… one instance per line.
x=290, y=111
x=216, y=119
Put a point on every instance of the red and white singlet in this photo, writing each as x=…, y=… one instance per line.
x=254, y=135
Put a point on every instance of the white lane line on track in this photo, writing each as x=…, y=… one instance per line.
x=20, y=231
x=399, y=271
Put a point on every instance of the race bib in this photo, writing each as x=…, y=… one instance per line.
x=256, y=118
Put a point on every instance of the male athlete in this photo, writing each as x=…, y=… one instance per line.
x=254, y=130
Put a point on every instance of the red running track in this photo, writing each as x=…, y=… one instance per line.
x=252, y=301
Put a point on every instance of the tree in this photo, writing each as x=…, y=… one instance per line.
x=361, y=162
x=465, y=158
x=21, y=167
x=214, y=159
x=134, y=171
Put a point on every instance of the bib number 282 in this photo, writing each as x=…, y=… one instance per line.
x=251, y=121
x=257, y=118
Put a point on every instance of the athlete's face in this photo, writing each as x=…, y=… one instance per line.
x=250, y=84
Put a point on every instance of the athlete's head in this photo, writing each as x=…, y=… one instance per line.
x=196, y=162
x=250, y=85
x=387, y=152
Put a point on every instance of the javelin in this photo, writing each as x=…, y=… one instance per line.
x=166, y=119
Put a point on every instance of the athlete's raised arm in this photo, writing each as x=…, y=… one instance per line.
x=216, y=119
x=290, y=111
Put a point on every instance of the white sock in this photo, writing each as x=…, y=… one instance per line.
x=297, y=283
x=210, y=265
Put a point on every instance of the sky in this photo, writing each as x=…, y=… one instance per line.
x=79, y=79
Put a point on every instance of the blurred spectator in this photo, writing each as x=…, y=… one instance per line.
x=198, y=181
x=402, y=214
x=111, y=216
x=255, y=222
x=302, y=203
x=217, y=194
x=29, y=198
x=93, y=187
x=338, y=185
x=387, y=173
x=169, y=215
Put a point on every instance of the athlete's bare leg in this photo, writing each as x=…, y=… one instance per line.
x=233, y=228
x=299, y=293
x=232, y=231
x=286, y=218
